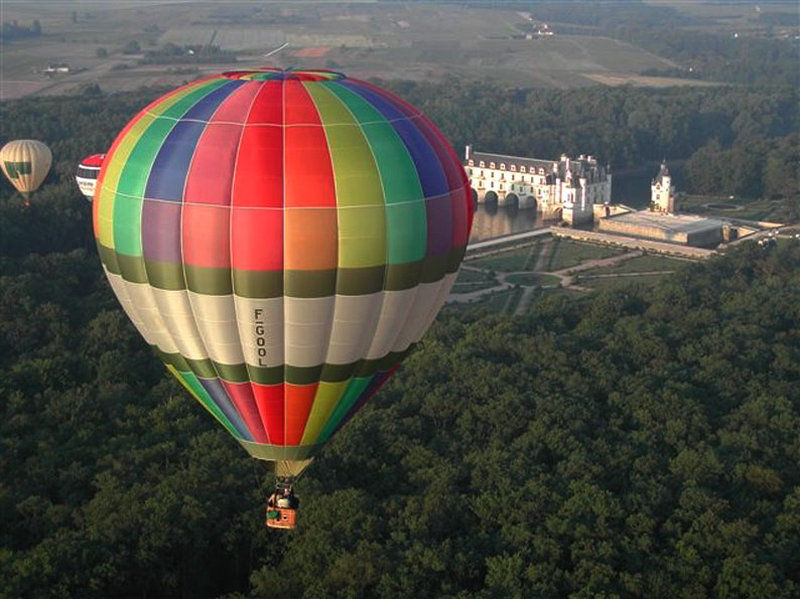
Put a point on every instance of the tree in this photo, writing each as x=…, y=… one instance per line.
x=132, y=47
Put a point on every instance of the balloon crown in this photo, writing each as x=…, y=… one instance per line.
x=290, y=74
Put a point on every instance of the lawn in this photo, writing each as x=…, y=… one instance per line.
x=566, y=253
x=531, y=278
x=619, y=282
x=472, y=280
x=515, y=259
x=744, y=208
x=644, y=263
x=501, y=302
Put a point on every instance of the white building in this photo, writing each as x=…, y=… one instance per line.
x=565, y=188
x=662, y=192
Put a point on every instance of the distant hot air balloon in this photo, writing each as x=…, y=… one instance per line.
x=26, y=163
x=86, y=175
x=282, y=239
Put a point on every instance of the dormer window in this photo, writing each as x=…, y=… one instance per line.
x=522, y=169
x=513, y=168
x=541, y=171
x=502, y=166
x=471, y=163
x=482, y=164
x=491, y=165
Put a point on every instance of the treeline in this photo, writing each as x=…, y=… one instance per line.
x=746, y=129
x=735, y=170
x=721, y=57
x=622, y=125
x=10, y=31
x=736, y=140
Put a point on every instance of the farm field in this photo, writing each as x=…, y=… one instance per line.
x=391, y=40
x=614, y=79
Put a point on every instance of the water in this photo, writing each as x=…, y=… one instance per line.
x=493, y=221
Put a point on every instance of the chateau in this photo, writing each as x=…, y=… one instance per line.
x=662, y=192
x=565, y=188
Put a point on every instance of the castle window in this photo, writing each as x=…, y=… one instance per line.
x=513, y=168
x=522, y=169
x=502, y=166
x=491, y=165
x=541, y=171
x=472, y=163
x=482, y=164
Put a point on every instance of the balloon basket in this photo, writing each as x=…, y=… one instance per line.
x=281, y=518
x=282, y=505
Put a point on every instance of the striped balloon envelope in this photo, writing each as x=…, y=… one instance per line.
x=282, y=239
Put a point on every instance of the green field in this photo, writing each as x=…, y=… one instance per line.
x=471, y=280
x=640, y=264
x=566, y=253
x=531, y=278
x=619, y=282
x=743, y=208
x=509, y=261
x=499, y=302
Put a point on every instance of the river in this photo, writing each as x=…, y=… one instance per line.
x=493, y=221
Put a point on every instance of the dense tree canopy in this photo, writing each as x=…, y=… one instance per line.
x=643, y=442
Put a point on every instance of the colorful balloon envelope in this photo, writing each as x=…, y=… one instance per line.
x=87, y=172
x=282, y=239
x=26, y=163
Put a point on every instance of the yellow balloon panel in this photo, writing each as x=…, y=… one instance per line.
x=25, y=162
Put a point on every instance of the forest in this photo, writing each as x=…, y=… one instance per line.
x=639, y=442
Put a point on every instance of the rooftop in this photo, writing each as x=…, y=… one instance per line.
x=518, y=160
x=667, y=222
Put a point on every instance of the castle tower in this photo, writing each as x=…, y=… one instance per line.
x=662, y=193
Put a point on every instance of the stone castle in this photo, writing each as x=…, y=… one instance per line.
x=662, y=192
x=565, y=188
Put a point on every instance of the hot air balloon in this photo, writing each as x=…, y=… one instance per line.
x=86, y=175
x=26, y=163
x=282, y=239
